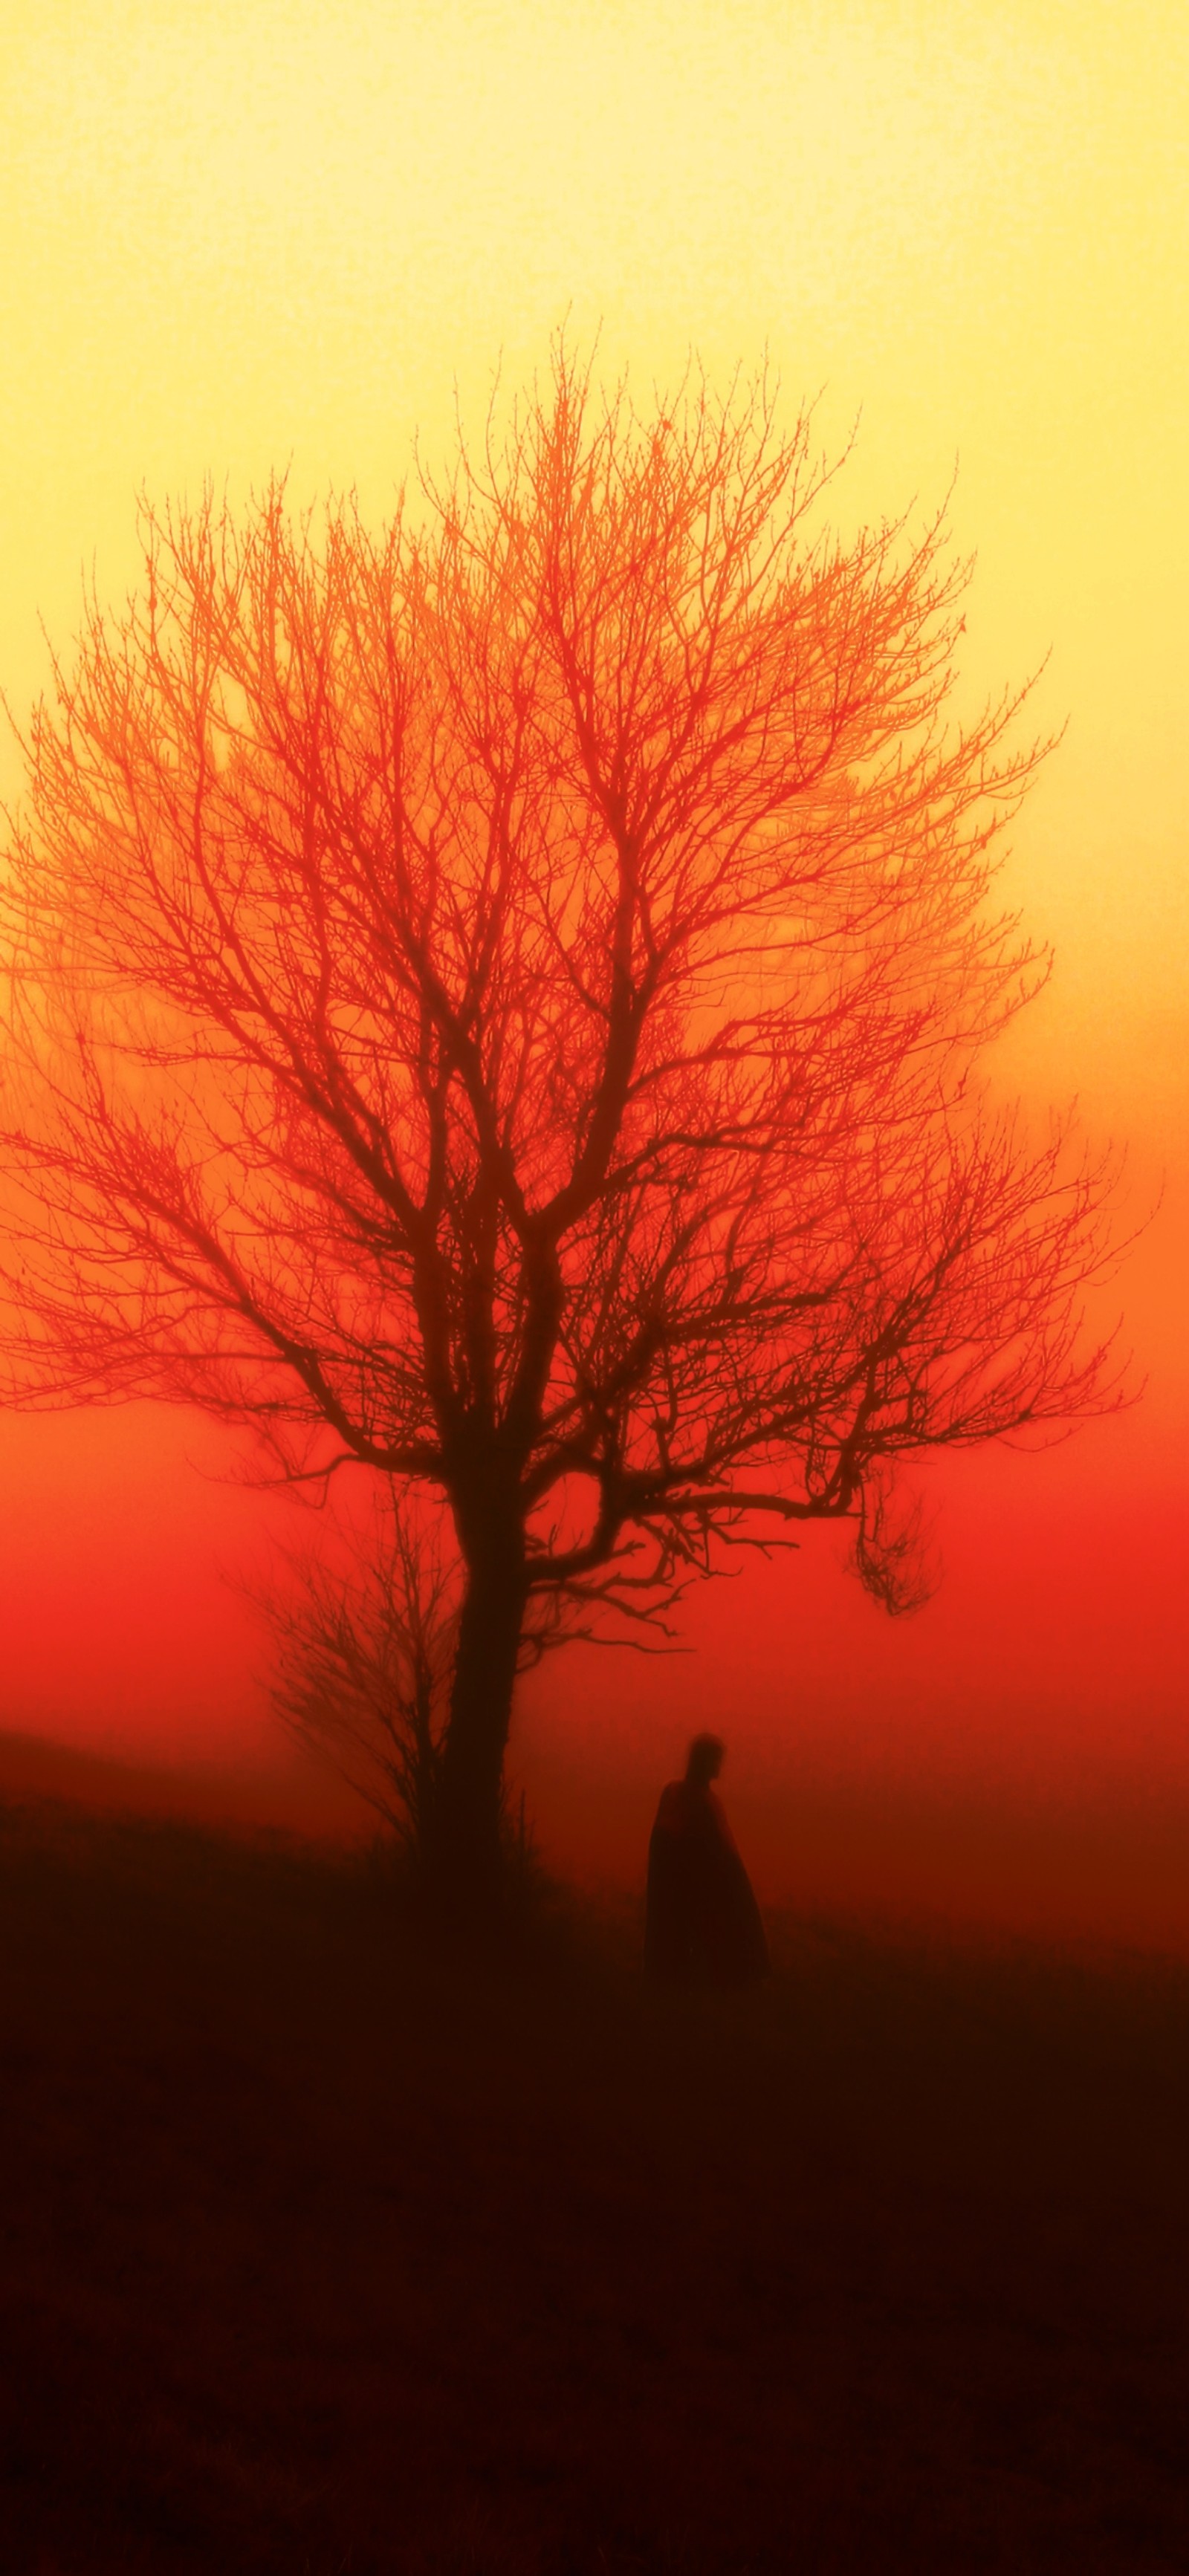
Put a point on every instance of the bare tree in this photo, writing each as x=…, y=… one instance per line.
x=364, y=1625
x=365, y=1639
x=498, y=1001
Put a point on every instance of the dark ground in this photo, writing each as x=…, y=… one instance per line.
x=327, y=2255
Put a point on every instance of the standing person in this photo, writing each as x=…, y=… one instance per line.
x=702, y=1925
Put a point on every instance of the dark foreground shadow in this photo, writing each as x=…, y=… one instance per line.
x=327, y=2250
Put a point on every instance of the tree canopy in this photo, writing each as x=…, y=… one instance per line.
x=497, y=999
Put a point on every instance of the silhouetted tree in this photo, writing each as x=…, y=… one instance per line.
x=365, y=1628
x=498, y=1000
x=365, y=1638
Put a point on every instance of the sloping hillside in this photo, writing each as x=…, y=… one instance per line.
x=327, y=2252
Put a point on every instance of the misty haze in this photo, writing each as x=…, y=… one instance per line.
x=594, y=1816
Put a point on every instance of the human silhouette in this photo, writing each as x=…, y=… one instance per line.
x=702, y=1925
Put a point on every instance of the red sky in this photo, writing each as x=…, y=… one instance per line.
x=1016, y=1753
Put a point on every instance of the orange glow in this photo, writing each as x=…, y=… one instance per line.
x=281, y=232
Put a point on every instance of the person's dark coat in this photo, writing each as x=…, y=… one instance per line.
x=702, y=1925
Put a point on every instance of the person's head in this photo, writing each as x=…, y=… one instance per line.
x=705, y=1761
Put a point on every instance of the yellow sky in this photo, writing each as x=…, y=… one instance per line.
x=270, y=230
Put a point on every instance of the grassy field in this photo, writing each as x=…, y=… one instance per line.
x=329, y=2254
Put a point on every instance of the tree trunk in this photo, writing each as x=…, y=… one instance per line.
x=465, y=1853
